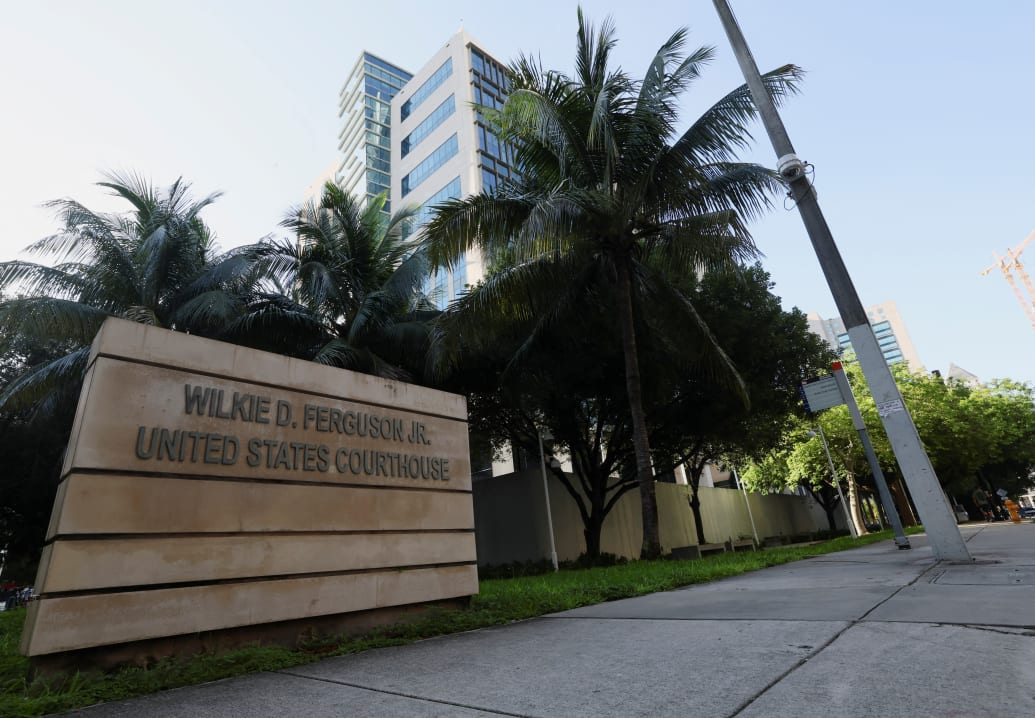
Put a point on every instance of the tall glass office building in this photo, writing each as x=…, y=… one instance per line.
x=442, y=148
x=365, y=138
x=892, y=337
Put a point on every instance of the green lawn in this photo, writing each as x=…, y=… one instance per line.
x=500, y=601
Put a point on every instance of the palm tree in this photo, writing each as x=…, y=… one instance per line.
x=148, y=265
x=612, y=202
x=345, y=290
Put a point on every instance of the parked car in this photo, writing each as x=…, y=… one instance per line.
x=1026, y=512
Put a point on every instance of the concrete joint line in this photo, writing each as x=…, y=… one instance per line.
x=980, y=529
x=404, y=695
x=740, y=709
x=1019, y=631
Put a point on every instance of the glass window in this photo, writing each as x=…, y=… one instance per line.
x=425, y=90
x=459, y=277
x=488, y=181
x=378, y=153
x=371, y=59
x=450, y=191
x=440, y=290
x=427, y=167
x=493, y=144
x=477, y=61
x=429, y=125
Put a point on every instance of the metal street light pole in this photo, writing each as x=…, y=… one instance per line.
x=751, y=516
x=938, y=520
x=546, y=495
x=837, y=483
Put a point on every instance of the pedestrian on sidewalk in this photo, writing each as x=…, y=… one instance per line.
x=980, y=499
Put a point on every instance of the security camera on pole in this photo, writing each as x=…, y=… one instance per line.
x=938, y=519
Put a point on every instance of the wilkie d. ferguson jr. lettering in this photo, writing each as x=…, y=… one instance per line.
x=182, y=445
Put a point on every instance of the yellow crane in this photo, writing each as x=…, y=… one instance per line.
x=1010, y=263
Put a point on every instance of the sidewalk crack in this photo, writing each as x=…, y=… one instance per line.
x=765, y=689
x=491, y=711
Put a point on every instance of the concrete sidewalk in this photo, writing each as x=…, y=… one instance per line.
x=868, y=632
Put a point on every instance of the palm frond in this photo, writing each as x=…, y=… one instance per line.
x=723, y=129
x=674, y=314
x=50, y=319
x=36, y=384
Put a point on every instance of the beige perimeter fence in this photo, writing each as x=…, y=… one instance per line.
x=510, y=519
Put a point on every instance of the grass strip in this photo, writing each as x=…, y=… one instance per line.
x=500, y=601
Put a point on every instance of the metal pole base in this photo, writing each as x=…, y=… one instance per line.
x=902, y=543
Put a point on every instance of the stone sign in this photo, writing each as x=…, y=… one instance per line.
x=210, y=487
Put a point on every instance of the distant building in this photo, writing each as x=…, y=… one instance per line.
x=441, y=147
x=961, y=375
x=364, y=141
x=315, y=189
x=890, y=330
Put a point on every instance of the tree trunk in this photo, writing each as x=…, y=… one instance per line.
x=594, y=527
x=831, y=521
x=591, y=531
x=853, y=504
x=695, y=508
x=898, y=495
x=651, y=547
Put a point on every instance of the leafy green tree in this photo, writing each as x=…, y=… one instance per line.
x=32, y=446
x=344, y=290
x=573, y=385
x=609, y=192
x=1006, y=409
x=149, y=264
x=799, y=460
x=571, y=388
x=982, y=435
x=772, y=349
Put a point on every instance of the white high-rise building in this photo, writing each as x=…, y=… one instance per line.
x=890, y=330
x=364, y=168
x=441, y=147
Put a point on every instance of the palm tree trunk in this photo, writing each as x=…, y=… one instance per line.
x=651, y=547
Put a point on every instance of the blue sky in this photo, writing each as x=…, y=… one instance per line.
x=917, y=117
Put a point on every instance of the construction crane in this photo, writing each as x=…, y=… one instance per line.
x=1010, y=263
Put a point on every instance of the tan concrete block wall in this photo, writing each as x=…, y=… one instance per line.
x=75, y=622
x=209, y=487
x=116, y=504
x=511, y=526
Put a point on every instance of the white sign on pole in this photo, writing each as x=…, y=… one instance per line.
x=890, y=407
x=821, y=393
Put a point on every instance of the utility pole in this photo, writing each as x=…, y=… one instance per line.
x=938, y=520
x=871, y=457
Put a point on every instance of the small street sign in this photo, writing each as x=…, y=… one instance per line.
x=821, y=393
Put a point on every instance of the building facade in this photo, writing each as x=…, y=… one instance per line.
x=441, y=146
x=890, y=330
x=364, y=142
